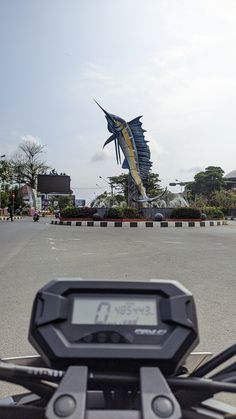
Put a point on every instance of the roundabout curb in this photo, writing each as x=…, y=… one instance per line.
x=142, y=224
x=15, y=218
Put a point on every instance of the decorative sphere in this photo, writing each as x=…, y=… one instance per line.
x=203, y=216
x=97, y=216
x=158, y=217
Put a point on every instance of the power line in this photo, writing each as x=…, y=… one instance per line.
x=76, y=187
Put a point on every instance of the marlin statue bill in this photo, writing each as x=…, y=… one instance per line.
x=129, y=137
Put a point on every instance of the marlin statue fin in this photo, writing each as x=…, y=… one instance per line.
x=125, y=164
x=142, y=147
x=117, y=147
x=109, y=140
x=147, y=199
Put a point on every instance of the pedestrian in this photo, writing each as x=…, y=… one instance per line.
x=10, y=211
x=57, y=214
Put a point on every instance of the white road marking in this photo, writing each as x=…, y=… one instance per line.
x=174, y=242
x=87, y=254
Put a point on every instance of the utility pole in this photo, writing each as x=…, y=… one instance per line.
x=13, y=204
x=1, y=157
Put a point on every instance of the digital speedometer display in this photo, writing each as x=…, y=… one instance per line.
x=115, y=311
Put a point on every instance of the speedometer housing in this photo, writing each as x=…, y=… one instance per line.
x=114, y=325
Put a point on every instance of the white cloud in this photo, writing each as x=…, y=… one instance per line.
x=14, y=138
x=155, y=147
x=95, y=72
x=101, y=156
x=193, y=170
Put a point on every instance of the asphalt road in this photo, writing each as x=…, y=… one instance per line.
x=202, y=259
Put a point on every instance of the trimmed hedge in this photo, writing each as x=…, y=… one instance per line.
x=130, y=212
x=126, y=212
x=116, y=212
x=73, y=212
x=213, y=212
x=186, y=213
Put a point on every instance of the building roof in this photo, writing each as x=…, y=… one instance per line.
x=231, y=175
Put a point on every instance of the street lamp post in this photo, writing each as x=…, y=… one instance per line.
x=13, y=204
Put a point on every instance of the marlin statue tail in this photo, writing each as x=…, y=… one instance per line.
x=129, y=137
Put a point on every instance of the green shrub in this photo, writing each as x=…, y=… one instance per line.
x=186, y=212
x=73, y=212
x=130, y=212
x=115, y=212
x=123, y=212
x=213, y=212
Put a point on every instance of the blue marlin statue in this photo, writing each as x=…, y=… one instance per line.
x=128, y=136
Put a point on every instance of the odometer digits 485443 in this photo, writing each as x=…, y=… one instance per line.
x=115, y=310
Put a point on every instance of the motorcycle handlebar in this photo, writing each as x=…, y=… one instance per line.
x=184, y=394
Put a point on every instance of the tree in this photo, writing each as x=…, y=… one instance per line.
x=6, y=171
x=63, y=200
x=4, y=199
x=121, y=184
x=152, y=184
x=27, y=163
x=208, y=181
x=6, y=177
x=224, y=199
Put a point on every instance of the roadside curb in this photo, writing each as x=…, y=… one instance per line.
x=15, y=218
x=143, y=224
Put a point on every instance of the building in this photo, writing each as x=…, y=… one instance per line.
x=230, y=179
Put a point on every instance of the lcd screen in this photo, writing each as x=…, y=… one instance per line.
x=115, y=310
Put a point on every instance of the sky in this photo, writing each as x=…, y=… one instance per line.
x=174, y=62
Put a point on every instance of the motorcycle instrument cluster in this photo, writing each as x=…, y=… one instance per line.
x=114, y=324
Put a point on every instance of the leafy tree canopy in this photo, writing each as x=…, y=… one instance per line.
x=208, y=181
x=120, y=183
x=63, y=201
x=225, y=200
x=152, y=184
x=6, y=171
